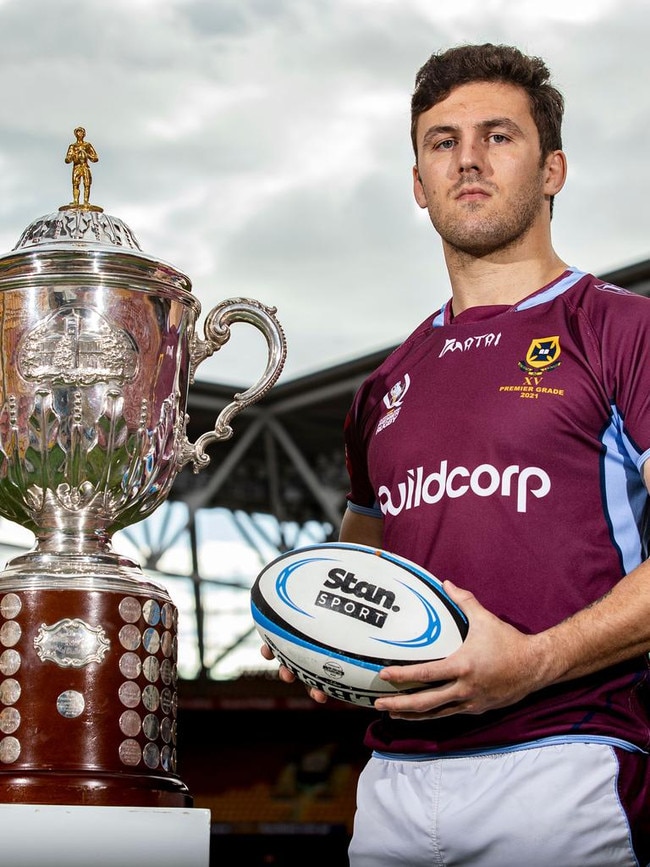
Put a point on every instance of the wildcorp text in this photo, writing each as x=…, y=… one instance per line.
x=420, y=488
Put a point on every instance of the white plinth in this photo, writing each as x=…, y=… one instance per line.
x=60, y=836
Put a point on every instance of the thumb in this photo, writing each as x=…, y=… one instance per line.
x=465, y=599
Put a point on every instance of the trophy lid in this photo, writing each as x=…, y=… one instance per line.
x=71, y=239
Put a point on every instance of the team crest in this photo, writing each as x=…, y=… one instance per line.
x=543, y=354
x=393, y=401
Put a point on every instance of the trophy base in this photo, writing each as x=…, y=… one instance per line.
x=88, y=679
x=100, y=790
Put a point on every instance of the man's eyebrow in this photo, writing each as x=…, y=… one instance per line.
x=505, y=123
x=435, y=131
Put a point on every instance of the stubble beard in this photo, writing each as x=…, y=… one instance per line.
x=480, y=234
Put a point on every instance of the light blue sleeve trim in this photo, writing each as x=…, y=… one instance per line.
x=513, y=748
x=643, y=457
x=370, y=511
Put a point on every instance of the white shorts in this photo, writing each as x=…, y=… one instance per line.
x=555, y=805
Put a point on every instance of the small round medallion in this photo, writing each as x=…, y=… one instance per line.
x=151, y=697
x=151, y=612
x=130, y=665
x=129, y=693
x=151, y=640
x=130, y=637
x=130, y=753
x=151, y=755
x=70, y=704
x=9, y=750
x=151, y=669
x=151, y=726
x=9, y=662
x=129, y=609
x=130, y=723
x=10, y=633
x=10, y=606
x=9, y=720
x=167, y=615
x=9, y=691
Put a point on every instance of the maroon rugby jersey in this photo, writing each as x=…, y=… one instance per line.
x=503, y=451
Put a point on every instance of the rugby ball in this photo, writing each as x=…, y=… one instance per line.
x=336, y=614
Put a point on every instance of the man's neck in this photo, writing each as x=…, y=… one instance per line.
x=478, y=282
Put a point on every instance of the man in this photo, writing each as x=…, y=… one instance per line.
x=523, y=436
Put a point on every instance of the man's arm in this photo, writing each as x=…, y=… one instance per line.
x=361, y=529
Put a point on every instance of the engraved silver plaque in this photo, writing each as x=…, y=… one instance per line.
x=151, y=640
x=70, y=704
x=9, y=750
x=10, y=606
x=166, y=701
x=166, y=671
x=9, y=720
x=10, y=633
x=130, y=665
x=130, y=723
x=151, y=612
x=71, y=643
x=130, y=609
x=166, y=643
x=151, y=669
x=130, y=752
x=130, y=637
x=167, y=615
x=129, y=693
x=151, y=755
x=151, y=697
x=151, y=726
x=9, y=662
x=9, y=691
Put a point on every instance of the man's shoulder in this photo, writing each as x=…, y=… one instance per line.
x=598, y=297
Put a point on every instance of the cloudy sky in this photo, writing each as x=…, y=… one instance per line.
x=262, y=146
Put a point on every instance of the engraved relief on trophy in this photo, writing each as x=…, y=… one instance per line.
x=71, y=643
x=77, y=346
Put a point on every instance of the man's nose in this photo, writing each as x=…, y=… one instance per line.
x=469, y=157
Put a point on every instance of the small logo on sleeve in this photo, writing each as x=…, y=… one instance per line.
x=393, y=401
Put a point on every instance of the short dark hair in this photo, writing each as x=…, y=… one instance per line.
x=465, y=64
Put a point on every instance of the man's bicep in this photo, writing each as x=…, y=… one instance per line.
x=361, y=529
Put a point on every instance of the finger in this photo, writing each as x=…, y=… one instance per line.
x=446, y=710
x=266, y=652
x=431, y=674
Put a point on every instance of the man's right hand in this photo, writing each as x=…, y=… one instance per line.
x=288, y=676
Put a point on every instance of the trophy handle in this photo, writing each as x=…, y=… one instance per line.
x=217, y=333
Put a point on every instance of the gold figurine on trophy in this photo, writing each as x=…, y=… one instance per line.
x=80, y=152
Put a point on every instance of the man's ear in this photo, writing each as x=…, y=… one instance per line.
x=418, y=189
x=556, y=171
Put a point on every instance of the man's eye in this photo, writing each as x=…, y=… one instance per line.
x=498, y=137
x=445, y=145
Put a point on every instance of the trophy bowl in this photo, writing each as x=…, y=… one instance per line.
x=98, y=348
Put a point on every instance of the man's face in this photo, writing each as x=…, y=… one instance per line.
x=479, y=171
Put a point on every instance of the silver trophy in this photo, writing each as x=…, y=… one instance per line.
x=98, y=350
